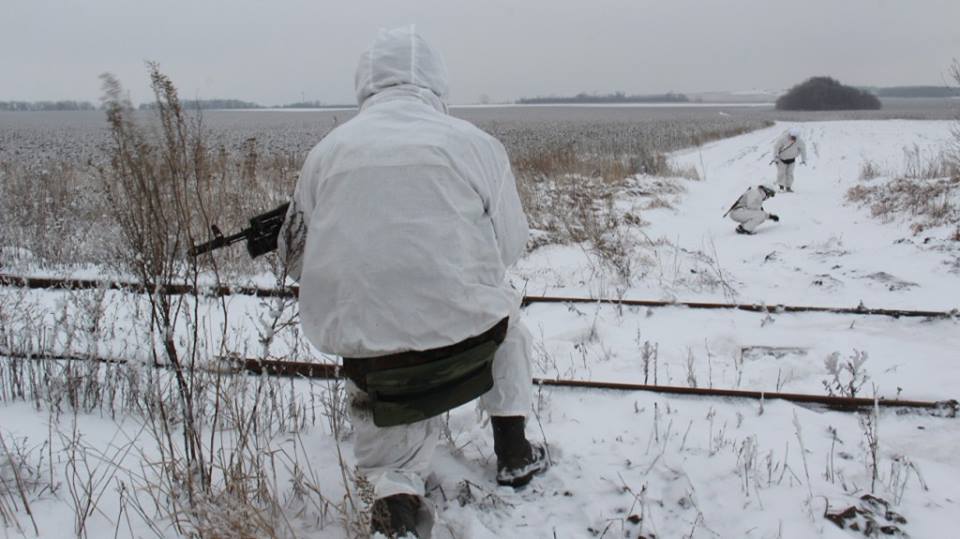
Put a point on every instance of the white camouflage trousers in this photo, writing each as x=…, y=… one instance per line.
x=785, y=174
x=749, y=219
x=397, y=459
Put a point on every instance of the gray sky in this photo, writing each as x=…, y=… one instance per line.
x=280, y=51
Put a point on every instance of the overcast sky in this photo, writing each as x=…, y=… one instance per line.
x=281, y=51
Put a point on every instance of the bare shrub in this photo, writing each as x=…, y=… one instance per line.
x=51, y=211
x=605, y=232
x=846, y=378
x=659, y=202
x=20, y=480
x=859, y=193
x=151, y=184
x=921, y=166
x=869, y=170
x=870, y=425
x=649, y=355
x=589, y=217
x=954, y=151
x=927, y=191
x=216, y=434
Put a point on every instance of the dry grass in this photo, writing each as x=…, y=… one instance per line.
x=257, y=469
x=57, y=212
x=569, y=184
x=219, y=455
x=21, y=480
x=927, y=191
x=869, y=170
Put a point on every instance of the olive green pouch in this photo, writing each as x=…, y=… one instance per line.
x=409, y=394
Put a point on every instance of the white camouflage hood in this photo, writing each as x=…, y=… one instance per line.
x=400, y=58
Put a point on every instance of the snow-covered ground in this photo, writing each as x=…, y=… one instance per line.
x=822, y=252
x=650, y=465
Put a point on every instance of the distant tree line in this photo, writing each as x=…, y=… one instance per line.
x=188, y=104
x=825, y=93
x=616, y=97
x=33, y=106
x=235, y=104
x=206, y=104
x=916, y=91
x=316, y=105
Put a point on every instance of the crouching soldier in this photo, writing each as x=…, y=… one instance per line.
x=748, y=209
x=400, y=231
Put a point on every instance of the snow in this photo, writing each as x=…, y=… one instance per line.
x=819, y=237
x=655, y=105
x=845, y=243
x=627, y=464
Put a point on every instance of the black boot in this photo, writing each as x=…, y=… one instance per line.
x=517, y=460
x=395, y=516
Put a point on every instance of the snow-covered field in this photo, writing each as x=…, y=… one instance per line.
x=650, y=465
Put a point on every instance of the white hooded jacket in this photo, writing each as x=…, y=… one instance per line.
x=411, y=215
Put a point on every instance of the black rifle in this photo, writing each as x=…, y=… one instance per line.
x=733, y=207
x=261, y=236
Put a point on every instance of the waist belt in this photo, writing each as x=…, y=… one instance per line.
x=787, y=161
x=412, y=386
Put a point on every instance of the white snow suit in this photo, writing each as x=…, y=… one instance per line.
x=748, y=210
x=400, y=231
x=785, y=154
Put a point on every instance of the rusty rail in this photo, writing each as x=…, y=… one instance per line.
x=53, y=283
x=751, y=307
x=292, y=292
x=948, y=408
x=329, y=371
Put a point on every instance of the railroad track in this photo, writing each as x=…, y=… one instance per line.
x=328, y=371
x=292, y=292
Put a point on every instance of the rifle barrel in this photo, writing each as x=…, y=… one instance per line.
x=217, y=243
x=261, y=235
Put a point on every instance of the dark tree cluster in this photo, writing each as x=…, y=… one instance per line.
x=825, y=93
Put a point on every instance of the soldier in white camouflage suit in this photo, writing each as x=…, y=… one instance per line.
x=400, y=231
x=748, y=209
x=788, y=148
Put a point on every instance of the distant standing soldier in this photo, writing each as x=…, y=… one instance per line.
x=748, y=209
x=785, y=152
